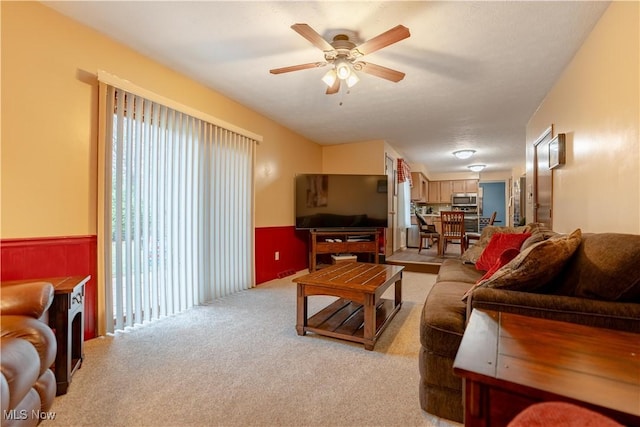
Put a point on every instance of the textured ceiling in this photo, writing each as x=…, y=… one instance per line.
x=475, y=71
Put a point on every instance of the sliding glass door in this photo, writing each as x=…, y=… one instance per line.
x=178, y=210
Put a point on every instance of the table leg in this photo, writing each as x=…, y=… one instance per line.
x=62, y=368
x=301, y=312
x=369, y=321
x=398, y=289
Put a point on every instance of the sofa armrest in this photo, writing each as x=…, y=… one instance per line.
x=623, y=316
x=26, y=299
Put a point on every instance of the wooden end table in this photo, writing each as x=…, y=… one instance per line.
x=66, y=318
x=510, y=362
x=360, y=314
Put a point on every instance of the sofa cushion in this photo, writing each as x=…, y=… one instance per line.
x=539, y=232
x=621, y=316
x=35, y=332
x=20, y=367
x=452, y=270
x=472, y=254
x=606, y=266
x=440, y=390
x=499, y=243
x=537, y=265
x=444, y=318
x=26, y=299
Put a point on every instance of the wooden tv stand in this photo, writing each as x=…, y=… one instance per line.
x=355, y=242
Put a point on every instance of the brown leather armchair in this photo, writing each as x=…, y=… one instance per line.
x=27, y=351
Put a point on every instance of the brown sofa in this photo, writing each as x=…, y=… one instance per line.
x=597, y=285
x=27, y=351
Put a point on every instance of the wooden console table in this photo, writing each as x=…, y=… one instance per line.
x=326, y=242
x=510, y=362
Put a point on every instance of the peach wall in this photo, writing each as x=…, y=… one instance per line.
x=365, y=157
x=596, y=103
x=49, y=124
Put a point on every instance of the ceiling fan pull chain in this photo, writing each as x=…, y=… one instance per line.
x=342, y=93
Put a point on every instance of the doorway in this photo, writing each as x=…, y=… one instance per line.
x=542, y=180
x=391, y=172
x=493, y=200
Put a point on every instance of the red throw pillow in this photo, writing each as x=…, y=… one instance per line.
x=497, y=245
x=503, y=260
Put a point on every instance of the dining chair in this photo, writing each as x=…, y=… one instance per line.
x=427, y=231
x=452, y=230
x=482, y=223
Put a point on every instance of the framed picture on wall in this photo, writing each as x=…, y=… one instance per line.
x=557, y=151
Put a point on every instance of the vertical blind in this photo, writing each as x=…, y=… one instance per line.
x=178, y=210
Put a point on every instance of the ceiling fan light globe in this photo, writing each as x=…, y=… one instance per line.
x=330, y=77
x=342, y=69
x=352, y=80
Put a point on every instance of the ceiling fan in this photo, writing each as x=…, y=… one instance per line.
x=344, y=55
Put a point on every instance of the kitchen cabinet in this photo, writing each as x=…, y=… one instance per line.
x=465, y=186
x=441, y=191
x=446, y=188
x=433, y=195
x=470, y=185
x=420, y=189
x=458, y=186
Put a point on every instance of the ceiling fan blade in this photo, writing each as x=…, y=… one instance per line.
x=379, y=71
x=391, y=36
x=297, y=67
x=334, y=88
x=310, y=34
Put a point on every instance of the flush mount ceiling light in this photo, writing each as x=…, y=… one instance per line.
x=464, y=154
x=477, y=168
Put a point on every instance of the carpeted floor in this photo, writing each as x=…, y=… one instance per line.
x=239, y=362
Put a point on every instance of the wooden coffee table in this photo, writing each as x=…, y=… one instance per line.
x=360, y=314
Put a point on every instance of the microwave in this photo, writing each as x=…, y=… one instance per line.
x=464, y=199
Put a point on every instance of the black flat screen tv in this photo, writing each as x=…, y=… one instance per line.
x=332, y=201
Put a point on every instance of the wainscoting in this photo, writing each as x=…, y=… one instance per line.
x=291, y=246
x=35, y=258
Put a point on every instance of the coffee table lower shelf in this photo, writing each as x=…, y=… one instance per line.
x=344, y=319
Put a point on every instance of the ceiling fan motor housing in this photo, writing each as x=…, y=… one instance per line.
x=343, y=48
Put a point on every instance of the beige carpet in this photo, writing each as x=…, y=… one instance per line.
x=239, y=362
